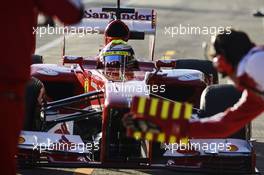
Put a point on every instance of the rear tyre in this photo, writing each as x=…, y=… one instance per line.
x=217, y=98
x=32, y=120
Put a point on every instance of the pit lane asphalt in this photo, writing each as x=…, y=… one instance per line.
x=235, y=13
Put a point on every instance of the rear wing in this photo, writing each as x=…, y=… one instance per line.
x=140, y=22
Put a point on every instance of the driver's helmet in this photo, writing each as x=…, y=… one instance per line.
x=117, y=54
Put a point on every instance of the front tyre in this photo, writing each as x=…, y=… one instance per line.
x=216, y=99
x=34, y=90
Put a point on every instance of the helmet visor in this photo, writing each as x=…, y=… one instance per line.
x=114, y=61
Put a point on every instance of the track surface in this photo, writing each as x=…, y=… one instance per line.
x=202, y=13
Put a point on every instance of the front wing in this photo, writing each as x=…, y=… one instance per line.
x=35, y=148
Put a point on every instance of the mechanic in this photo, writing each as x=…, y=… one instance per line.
x=242, y=61
x=17, y=45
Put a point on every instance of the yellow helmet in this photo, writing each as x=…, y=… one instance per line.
x=117, y=53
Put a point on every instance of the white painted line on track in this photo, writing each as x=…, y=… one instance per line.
x=49, y=45
x=56, y=41
x=87, y=1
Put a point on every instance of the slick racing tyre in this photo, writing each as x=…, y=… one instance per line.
x=32, y=120
x=204, y=66
x=217, y=98
x=37, y=59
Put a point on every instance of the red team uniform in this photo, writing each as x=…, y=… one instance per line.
x=17, y=45
x=250, y=72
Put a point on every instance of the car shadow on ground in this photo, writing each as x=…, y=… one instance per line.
x=43, y=171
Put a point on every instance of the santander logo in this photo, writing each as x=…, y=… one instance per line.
x=139, y=16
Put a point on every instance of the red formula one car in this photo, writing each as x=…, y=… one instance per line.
x=78, y=123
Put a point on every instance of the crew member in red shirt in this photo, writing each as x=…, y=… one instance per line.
x=243, y=62
x=17, y=45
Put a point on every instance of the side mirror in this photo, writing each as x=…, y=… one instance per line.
x=165, y=63
x=73, y=60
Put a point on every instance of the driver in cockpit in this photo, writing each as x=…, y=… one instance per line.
x=118, y=54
